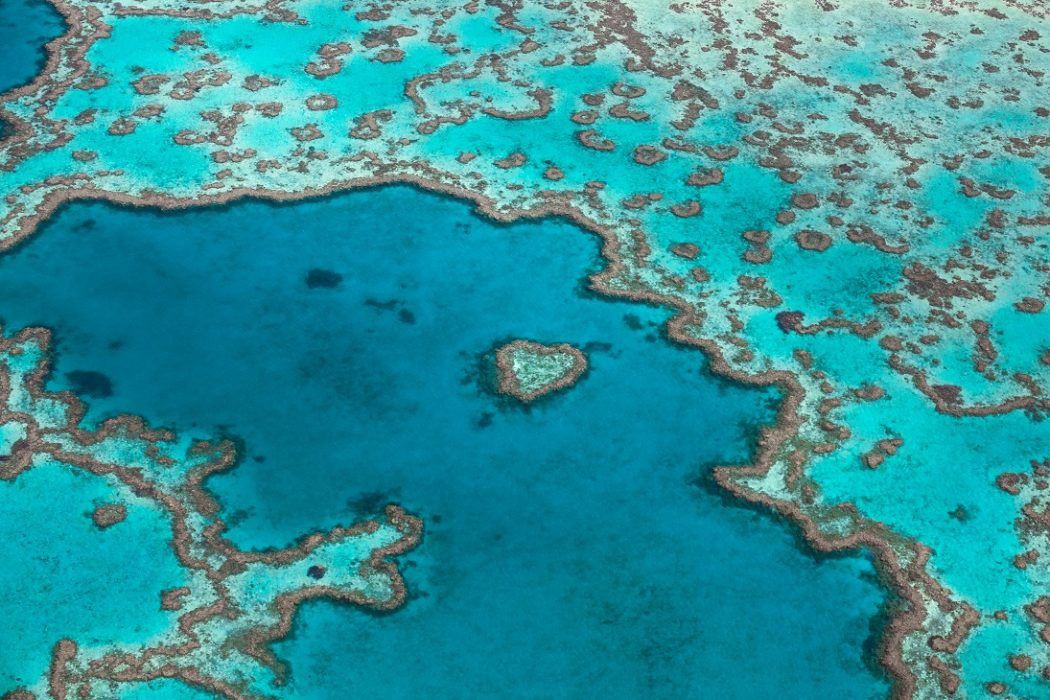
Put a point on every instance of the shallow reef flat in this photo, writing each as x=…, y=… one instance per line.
x=847, y=201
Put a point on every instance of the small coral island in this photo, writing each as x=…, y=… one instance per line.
x=529, y=370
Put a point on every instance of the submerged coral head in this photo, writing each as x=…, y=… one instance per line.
x=529, y=370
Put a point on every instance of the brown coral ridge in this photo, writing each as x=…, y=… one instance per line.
x=193, y=553
x=509, y=383
x=108, y=515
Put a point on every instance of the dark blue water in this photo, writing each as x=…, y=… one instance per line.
x=569, y=549
x=25, y=26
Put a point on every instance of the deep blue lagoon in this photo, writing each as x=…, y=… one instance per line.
x=25, y=26
x=572, y=547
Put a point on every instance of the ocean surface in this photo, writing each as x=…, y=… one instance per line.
x=575, y=547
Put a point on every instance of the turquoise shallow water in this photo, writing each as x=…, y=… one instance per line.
x=569, y=547
x=59, y=570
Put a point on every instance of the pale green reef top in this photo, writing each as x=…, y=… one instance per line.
x=846, y=199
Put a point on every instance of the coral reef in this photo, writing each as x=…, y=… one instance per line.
x=845, y=200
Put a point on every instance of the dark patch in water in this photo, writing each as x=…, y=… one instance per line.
x=369, y=503
x=388, y=305
x=323, y=279
x=406, y=316
x=597, y=346
x=633, y=322
x=485, y=420
x=238, y=516
x=91, y=384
